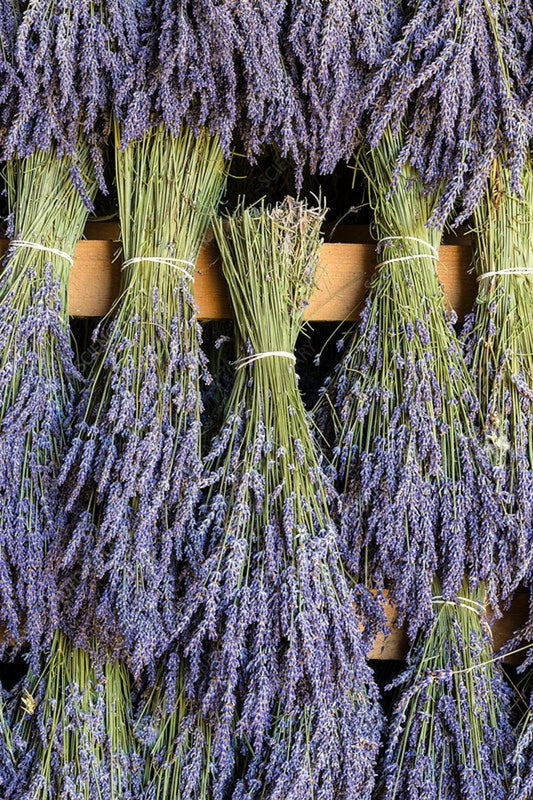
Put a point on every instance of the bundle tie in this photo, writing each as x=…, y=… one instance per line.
x=167, y=262
x=434, y=254
x=247, y=360
x=466, y=603
x=43, y=248
x=508, y=271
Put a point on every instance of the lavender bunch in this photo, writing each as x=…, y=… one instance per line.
x=499, y=348
x=73, y=726
x=38, y=381
x=419, y=498
x=9, y=80
x=62, y=56
x=271, y=639
x=133, y=470
x=449, y=83
x=522, y=786
x=330, y=48
x=175, y=66
x=450, y=734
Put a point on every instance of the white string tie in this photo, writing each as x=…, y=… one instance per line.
x=509, y=271
x=433, y=254
x=175, y=263
x=411, y=239
x=463, y=602
x=247, y=360
x=42, y=248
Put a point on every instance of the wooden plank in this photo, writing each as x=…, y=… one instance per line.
x=344, y=272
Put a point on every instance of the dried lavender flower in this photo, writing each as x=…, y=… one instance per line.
x=453, y=80
x=450, y=734
x=72, y=724
x=419, y=495
x=498, y=338
x=332, y=47
x=522, y=760
x=271, y=639
x=61, y=56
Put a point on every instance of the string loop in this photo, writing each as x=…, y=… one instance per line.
x=175, y=263
x=509, y=271
x=247, y=360
x=42, y=248
x=433, y=254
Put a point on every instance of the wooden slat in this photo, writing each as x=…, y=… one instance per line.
x=343, y=274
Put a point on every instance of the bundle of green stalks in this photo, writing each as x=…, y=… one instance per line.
x=498, y=340
x=422, y=513
x=75, y=718
x=132, y=475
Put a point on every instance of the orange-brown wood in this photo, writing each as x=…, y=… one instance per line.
x=343, y=274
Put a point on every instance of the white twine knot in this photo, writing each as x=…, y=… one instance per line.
x=433, y=254
x=175, y=263
x=247, y=360
x=42, y=248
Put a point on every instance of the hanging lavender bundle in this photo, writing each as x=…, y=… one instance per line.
x=9, y=80
x=499, y=347
x=271, y=638
x=72, y=730
x=62, y=55
x=330, y=48
x=446, y=86
x=38, y=379
x=133, y=470
x=418, y=494
x=419, y=490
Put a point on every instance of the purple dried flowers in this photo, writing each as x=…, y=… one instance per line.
x=452, y=80
x=419, y=497
x=133, y=470
x=72, y=725
x=450, y=735
x=499, y=350
x=331, y=48
x=270, y=635
x=62, y=58
x=522, y=761
x=38, y=379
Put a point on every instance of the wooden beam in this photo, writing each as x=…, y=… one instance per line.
x=344, y=271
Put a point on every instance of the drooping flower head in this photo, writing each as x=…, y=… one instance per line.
x=452, y=81
x=62, y=60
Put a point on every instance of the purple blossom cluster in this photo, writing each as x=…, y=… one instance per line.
x=131, y=477
x=61, y=61
x=9, y=80
x=450, y=734
x=419, y=494
x=522, y=762
x=454, y=78
x=38, y=383
x=270, y=636
x=71, y=731
x=332, y=47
